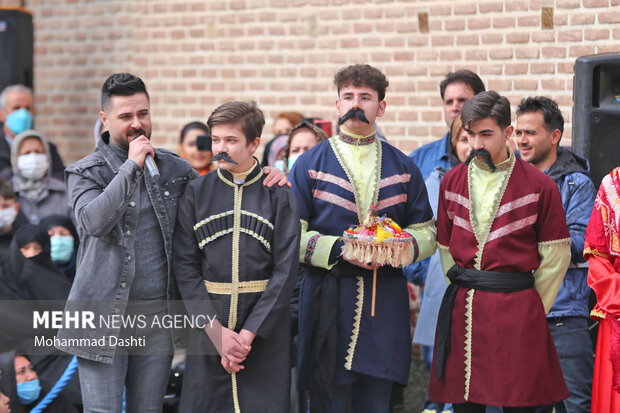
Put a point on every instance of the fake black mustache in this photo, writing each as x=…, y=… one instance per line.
x=224, y=156
x=354, y=113
x=485, y=154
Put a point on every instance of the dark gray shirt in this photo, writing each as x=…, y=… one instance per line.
x=149, y=282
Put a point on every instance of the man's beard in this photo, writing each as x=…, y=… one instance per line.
x=354, y=113
x=488, y=159
x=130, y=136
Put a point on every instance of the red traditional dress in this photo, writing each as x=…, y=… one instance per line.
x=507, y=221
x=602, y=249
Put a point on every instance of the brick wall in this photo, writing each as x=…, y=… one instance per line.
x=195, y=55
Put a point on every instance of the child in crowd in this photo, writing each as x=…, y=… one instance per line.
x=195, y=147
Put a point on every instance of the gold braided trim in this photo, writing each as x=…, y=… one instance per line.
x=234, y=185
x=428, y=223
x=357, y=319
x=223, y=214
x=468, y=337
x=508, y=164
x=594, y=252
x=257, y=286
x=258, y=217
x=262, y=240
x=223, y=178
x=258, y=176
x=251, y=233
x=211, y=218
x=379, y=150
x=349, y=175
x=554, y=242
x=598, y=314
x=375, y=197
x=235, y=394
x=213, y=237
x=234, y=295
x=443, y=247
x=502, y=166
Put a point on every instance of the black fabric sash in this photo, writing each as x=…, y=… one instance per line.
x=492, y=281
x=324, y=313
x=324, y=321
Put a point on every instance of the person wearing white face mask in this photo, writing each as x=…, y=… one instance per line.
x=11, y=217
x=38, y=192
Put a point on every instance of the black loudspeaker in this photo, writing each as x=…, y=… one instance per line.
x=16, y=47
x=596, y=112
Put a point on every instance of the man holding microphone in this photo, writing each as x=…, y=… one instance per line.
x=125, y=214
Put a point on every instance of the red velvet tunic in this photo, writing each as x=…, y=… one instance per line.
x=501, y=351
x=602, y=249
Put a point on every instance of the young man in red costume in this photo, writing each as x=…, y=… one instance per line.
x=505, y=247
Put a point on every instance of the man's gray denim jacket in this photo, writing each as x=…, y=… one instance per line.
x=102, y=193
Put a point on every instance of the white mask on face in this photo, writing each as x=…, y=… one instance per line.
x=32, y=165
x=7, y=216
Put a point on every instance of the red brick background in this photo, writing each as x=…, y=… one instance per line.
x=195, y=55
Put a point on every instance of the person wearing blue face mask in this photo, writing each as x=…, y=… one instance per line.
x=17, y=116
x=22, y=384
x=64, y=242
x=28, y=386
x=304, y=136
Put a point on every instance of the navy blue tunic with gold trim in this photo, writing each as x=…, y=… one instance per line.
x=328, y=203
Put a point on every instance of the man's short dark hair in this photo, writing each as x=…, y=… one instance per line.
x=549, y=109
x=362, y=75
x=121, y=84
x=462, y=76
x=6, y=190
x=487, y=104
x=246, y=114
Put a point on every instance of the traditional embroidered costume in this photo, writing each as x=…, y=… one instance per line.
x=240, y=248
x=602, y=249
x=499, y=227
x=335, y=183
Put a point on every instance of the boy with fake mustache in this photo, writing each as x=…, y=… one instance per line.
x=240, y=248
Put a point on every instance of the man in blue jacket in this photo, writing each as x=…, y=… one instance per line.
x=539, y=129
x=456, y=89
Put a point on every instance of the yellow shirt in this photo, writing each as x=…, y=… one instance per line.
x=362, y=166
